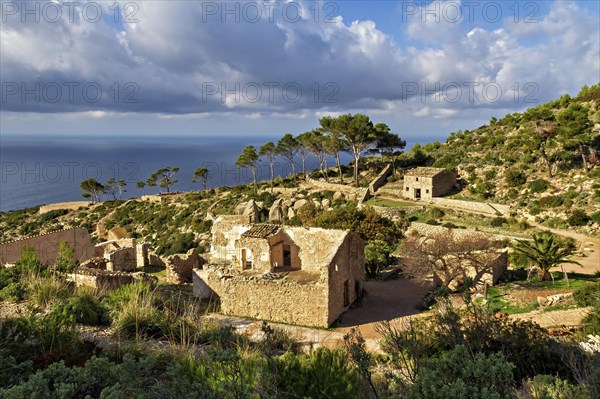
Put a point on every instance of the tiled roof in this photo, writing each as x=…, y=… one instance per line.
x=261, y=231
x=426, y=172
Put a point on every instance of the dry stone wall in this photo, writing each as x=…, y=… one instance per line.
x=179, y=267
x=282, y=301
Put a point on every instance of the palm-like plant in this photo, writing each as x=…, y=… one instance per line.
x=545, y=251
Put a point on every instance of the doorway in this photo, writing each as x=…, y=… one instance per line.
x=417, y=193
x=346, y=293
x=287, y=256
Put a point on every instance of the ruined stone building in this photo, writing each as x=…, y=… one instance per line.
x=284, y=274
x=426, y=183
x=46, y=246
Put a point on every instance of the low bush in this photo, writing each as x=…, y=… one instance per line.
x=588, y=295
x=538, y=186
x=578, y=218
x=85, y=307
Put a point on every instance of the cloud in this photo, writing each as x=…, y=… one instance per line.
x=186, y=58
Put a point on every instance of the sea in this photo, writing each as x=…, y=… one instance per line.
x=41, y=170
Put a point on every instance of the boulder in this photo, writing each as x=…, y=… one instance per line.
x=325, y=202
x=290, y=213
x=299, y=204
x=338, y=196
x=252, y=212
x=276, y=212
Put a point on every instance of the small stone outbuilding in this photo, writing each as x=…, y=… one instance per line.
x=426, y=183
x=286, y=274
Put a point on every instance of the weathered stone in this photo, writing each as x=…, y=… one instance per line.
x=179, y=267
x=542, y=301
x=337, y=196
x=299, y=204
x=276, y=212
x=290, y=213
x=325, y=203
x=252, y=212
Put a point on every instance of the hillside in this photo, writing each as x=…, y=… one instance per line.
x=543, y=162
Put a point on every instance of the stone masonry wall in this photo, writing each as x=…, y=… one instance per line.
x=179, y=267
x=123, y=259
x=46, y=246
x=381, y=179
x=482, y=207
x=276, y=300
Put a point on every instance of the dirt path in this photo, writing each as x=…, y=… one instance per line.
x=555, y=318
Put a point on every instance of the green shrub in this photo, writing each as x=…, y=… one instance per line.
x=538, y=186
x=65, y=261
x=44, y=291
x=578, y=218
x=515, y=178
x=588, y=295
x=432, y=222
x=595, y=217
x=498, y=222
x=85, y=307
x=458, y=374
x=377, y=257
x=552, y=387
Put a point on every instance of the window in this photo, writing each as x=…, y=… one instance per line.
x=427, y=190
x=407, y=189
x=416, y=179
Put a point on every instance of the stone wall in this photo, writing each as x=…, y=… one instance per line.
x=481, y=207
x=429, y=229
x=179, y=267
x=361, y=194
x=46, y=246
x=100, y=279
x=381, y=179
x=122, y=260
x=396, y=212
x=346, y=277
x=282, y=301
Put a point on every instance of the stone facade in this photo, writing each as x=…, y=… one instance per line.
x=94, y=273
x=46, y=246
x=284, y=274
x=426, y=183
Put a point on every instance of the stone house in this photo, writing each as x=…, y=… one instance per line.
x=285, y=274
x=426, y=183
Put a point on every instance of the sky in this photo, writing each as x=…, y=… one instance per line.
x=189, y=68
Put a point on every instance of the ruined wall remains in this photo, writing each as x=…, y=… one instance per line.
x=381, y=179
x=396, y=212
x=122, y=260
x=46, y=246
x=100, y=279
x=179, y=267
x=282, y=301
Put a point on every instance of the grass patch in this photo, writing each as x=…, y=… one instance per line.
x=576, y=280
x=496, y=303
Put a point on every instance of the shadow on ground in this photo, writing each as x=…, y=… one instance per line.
x=386, y=300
